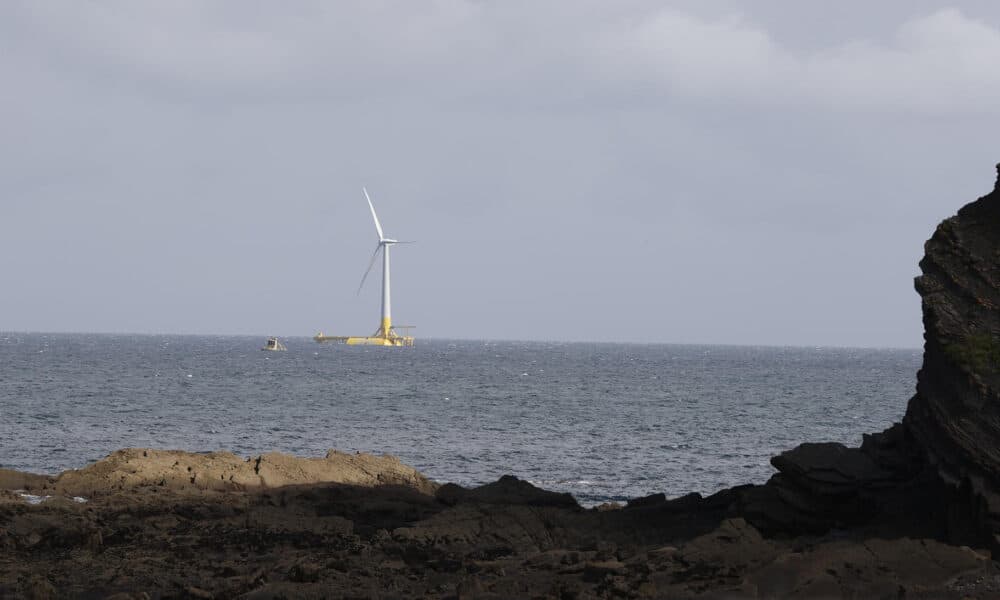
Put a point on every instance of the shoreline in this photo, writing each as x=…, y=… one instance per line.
x=171, y=524
x=8, y=474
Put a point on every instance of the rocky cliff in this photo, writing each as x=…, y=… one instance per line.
x=955, y=415
x=937, y=473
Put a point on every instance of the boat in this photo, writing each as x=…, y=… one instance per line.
x=274, y=345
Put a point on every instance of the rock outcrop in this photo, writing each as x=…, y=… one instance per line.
x=936, y=474
x=180, y=471
x=504, y=540
x=955, y=415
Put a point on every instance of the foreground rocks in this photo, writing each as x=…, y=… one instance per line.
x=955, y=416
x=913, y=513
x=162, y=538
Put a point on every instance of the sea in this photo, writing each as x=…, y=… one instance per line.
x=604, y=422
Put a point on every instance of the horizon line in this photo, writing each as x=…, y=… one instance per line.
x=484, y=339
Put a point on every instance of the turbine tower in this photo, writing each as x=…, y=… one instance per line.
x=385, y=335
x=385, y=327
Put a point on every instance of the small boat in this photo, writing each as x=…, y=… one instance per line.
x=274, y=345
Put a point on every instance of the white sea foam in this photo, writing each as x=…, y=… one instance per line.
x=36, y=499
x=32, y=498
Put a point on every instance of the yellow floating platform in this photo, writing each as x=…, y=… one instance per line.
x=397, y=340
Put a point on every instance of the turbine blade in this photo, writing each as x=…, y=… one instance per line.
x=369, y=269
x=378, y=226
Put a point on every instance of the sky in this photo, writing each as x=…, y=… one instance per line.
x=704, y=171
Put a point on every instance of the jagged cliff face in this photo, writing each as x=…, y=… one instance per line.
x=955, y=415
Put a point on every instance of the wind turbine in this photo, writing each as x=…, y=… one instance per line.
x=386, y=335
x=384, y=243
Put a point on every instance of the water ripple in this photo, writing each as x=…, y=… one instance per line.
x=602, y=421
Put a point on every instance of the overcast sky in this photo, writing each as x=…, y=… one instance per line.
x=701, y=171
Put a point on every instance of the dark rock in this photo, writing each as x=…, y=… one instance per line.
x=893, y=450
x=451, y=494
x=39, y=588
x=830, y=469
x=598, y=570
x=955, y=415
x=687, y=502
x=305, y=572
x=647, y=501
x=780, y=508
x=734, y=545
x=469, y=589
x=197, y=592
x=511, y=490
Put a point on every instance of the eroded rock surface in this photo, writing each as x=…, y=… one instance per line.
x=348, y=541
x=224, y=471
x=955, y=415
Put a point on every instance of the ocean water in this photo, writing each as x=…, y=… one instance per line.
x=602, y=421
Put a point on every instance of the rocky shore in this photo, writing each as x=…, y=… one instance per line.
x=913, y=513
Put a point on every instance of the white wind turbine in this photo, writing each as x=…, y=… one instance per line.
x=385, y=328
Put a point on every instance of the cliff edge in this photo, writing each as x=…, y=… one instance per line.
x=955, y=415
x=937, y=473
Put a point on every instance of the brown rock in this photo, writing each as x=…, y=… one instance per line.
x=16, y=480
x=222, y=471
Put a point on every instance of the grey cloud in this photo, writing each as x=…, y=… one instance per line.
x=448, y=50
